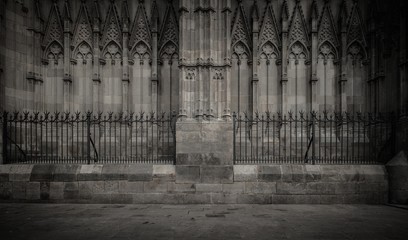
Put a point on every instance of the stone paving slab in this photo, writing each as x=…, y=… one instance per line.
x=116, y=221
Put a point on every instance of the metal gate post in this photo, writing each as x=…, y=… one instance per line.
x=88, y=133
x=4, y=147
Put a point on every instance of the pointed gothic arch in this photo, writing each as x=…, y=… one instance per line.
x=269, y=33
x=112, y=34
x=298, y=33
x=83, y=51
x=54, y=51
x=240, y=38
x=52, y=42
x=140, y=35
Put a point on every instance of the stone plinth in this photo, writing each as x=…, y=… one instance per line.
x=204, y=151
x=204, y=142
x=398, y=178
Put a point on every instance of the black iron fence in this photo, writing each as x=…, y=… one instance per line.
x=315, y=138
x=88, y=137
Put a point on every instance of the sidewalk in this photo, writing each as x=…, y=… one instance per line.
x=76, y=221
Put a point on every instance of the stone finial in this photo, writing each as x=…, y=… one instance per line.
x=285, y=11
x=255, y=14
x=314, y=10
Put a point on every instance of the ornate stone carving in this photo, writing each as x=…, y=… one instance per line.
x=169, y=34
x=112, y=35
x=355, y=35
x=327, y=36
x=53, y=38
x=269, y=34
x=240, y=37
x=298, y=34
x=140, y=37
x=82, y=40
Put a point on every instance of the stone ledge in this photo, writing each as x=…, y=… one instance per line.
x=184, y=184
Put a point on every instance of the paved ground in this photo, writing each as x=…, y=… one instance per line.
x=71, y=221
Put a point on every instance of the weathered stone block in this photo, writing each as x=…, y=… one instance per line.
x=85, y=189
x=56, y=190
x=336, y=199
x=298, y=173
x=71, y=190
x=101, y=198
x=66, y=173
x=296, y=199
x=90, y=173
x=98, y=187
x=244, y=173
x=121, y=198
x=4, y=172
x=138, y=172
x=174, y=187
x=114, y=172
x=399, y=196
x=346, y=188
x=45, y=190
x=254, y=198
x=223, y=198
x=203, y=198
x=331, y=173
x=270, y=173
x=260, y=187
x=290, y=188
x=164, y=172
x=5, y=190
x=312, y=173
x=20, y=172
x=286, y=173
x=320, y=188
x=205, y=187
x=33, y=191
x=42, y=173
x=217, y=174
x=155, y=186
x=187, y=174
x=236, y=187
x=19, y=190
x=111, y=187
x=130, y=187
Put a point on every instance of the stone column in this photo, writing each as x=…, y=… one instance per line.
x=227, y=58
x=96, y=80
x=204, y=144
x=255, y=33
x=284, y=78
x=67, y=63
x=403, y=57
x=154, y=75
x=125, y=69
x=343, y=64
x=314, y=52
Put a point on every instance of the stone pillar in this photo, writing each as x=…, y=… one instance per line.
x=67, y=60
x=96, y=80
x=255, y=33
x=204, y=144
x=227, y=57
x=403, y=57
x=314, y=52
x=284, y=78
x=125, y=63
x=343, y=71
x=154, y=76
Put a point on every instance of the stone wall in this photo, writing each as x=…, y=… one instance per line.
x=170, y=184
x=203, y=57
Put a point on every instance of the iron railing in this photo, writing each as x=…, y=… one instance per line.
x=33, y=137
x=315, y=138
